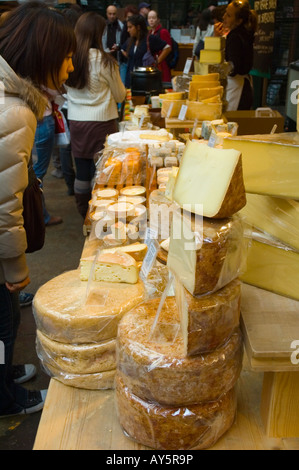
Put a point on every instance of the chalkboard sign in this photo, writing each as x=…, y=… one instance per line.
x=264, y=38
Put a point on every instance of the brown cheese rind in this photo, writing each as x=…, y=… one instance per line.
x=193, y=427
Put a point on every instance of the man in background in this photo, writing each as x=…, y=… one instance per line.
x=112, y=35
x=144, y=9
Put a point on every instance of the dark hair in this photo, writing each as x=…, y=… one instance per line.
x=205, y=19
x=244, y=13
x=130, y=9
x=72, y=11
x=89, y=30
x=139, y=21
x=35, y=42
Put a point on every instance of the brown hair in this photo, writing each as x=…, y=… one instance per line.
x=35, y=42
x=244, y=13
x=130, y=9
x=89, y=31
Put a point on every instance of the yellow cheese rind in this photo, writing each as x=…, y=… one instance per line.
x=270, y=163
x=175, y=105
x=211, y=57
x=210, y=77
x=214, y=43
x=203, y=111
x=195, y=86
x=205, y=93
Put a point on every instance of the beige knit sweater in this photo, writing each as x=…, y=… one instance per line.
x=98, y=101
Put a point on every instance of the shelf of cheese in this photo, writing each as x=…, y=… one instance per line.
x=270, y=163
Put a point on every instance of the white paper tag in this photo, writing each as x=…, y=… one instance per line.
x=188, y=65
x=169, y=110
x=149, y=259
x=183, y=112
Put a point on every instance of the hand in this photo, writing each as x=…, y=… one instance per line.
x=218, y=29
x=114, y=48
x=13, y=288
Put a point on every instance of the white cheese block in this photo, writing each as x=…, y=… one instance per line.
x=110, y=267
x=195, y=427
x=89, y=358
x=153, y=364
x=210, y=181
x=65, y=311
x=206, y=254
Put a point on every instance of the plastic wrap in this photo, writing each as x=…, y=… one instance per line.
x=88, y=358
x=276, y=217
x=69, y=310
x=208, y=321
x=161, y=211
x=174, y=428
x=207, y=254
x=141, y=137
x=151, y=359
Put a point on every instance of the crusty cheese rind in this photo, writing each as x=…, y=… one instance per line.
x=154, y=367
x=193, y=427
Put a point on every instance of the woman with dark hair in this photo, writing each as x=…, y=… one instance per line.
x=139, y=43
x=130, y=10
x=93, y=91
x=36, y=47
x=241, y=23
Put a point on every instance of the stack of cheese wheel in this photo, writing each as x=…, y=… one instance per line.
x=205, y=97
x=177, y=372
x=77, y=327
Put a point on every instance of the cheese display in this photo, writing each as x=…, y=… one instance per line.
x=206, y=254
x=153, y=365
x=209, y=320
x=203, y=111
x=161, y=211
x=89, y=358
x=272, y=266
x=198, y=85
x=210, y=181
x=110, y=267
x=174, y=428
x=66, y=311
x=270, y=163
x=98, y=381
x=275, y=216
x=171, y=108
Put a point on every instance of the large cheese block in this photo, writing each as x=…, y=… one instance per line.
x=206, y=93
x=110, y=267
x=270, y=163
x=272, y=266
x=171, y=108
x=69, y=310
x=98, y=381
x=206, y=254
x=89, y=358
x=173, y=96
x=214, y=43
x=276, y=216
x=211, y=56
x=203, y=111
x=209, y=77
x=197, y=85
x=174, y=428
x=210, y=181
x=152, y=363
x=208, y=321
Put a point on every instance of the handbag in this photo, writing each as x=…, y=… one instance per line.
x=148, y=59
x=34, y=223
x=62, y=133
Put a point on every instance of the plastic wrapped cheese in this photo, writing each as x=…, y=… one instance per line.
x=98, y=381
x=69, y=310
x=89, y=358
x=152, y=363
x=174, y=428
x=206, y=254
x=208, y=321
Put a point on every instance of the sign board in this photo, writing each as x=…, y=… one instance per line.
x=264, y=38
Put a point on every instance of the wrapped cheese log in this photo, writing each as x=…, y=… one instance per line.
x=89, y=358
x=208, y=321
x=98, y=381
x=206, y=254
x=192, y=427
x=153, y=365
x=66, y=312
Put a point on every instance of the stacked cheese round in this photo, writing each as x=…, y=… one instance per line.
x=77, y=326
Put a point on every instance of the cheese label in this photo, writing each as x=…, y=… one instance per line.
x=183, y=112
x=150, y=259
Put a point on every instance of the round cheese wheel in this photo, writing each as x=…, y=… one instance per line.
x=174, y=428
x=133, y=191
x=154, y=366
x=87, y=358
x=63, y=314
x=108, y=193
x=99, y=381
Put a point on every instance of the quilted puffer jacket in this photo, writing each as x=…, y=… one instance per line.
x=21, y=104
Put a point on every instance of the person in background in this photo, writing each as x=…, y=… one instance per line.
x=241, y=23
x=157, y=30
x=144, y=9
x=93, y=91
x=136, y=46
x=26, y=66
x=130, y=10
x=204, y=29
x=112, y=34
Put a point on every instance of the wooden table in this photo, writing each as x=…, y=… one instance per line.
x=270, y=324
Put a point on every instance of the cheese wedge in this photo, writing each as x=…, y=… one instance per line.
x=270, y=163
x=203, y=111
x=110, y=267
x=214, y=43
x=210, y=181
x=195, y=86
x=211, y=57
x=274, y=216
x=205, y=93
x=171, y=108
x=136, y=250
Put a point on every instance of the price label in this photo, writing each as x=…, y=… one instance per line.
x=169, y=110
x=188, y=65
x=182, y=115
x=150, y=258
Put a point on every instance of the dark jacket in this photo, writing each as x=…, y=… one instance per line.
x=239, y=50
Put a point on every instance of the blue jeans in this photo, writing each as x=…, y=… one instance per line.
x=9, y=324
x=42, y=151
